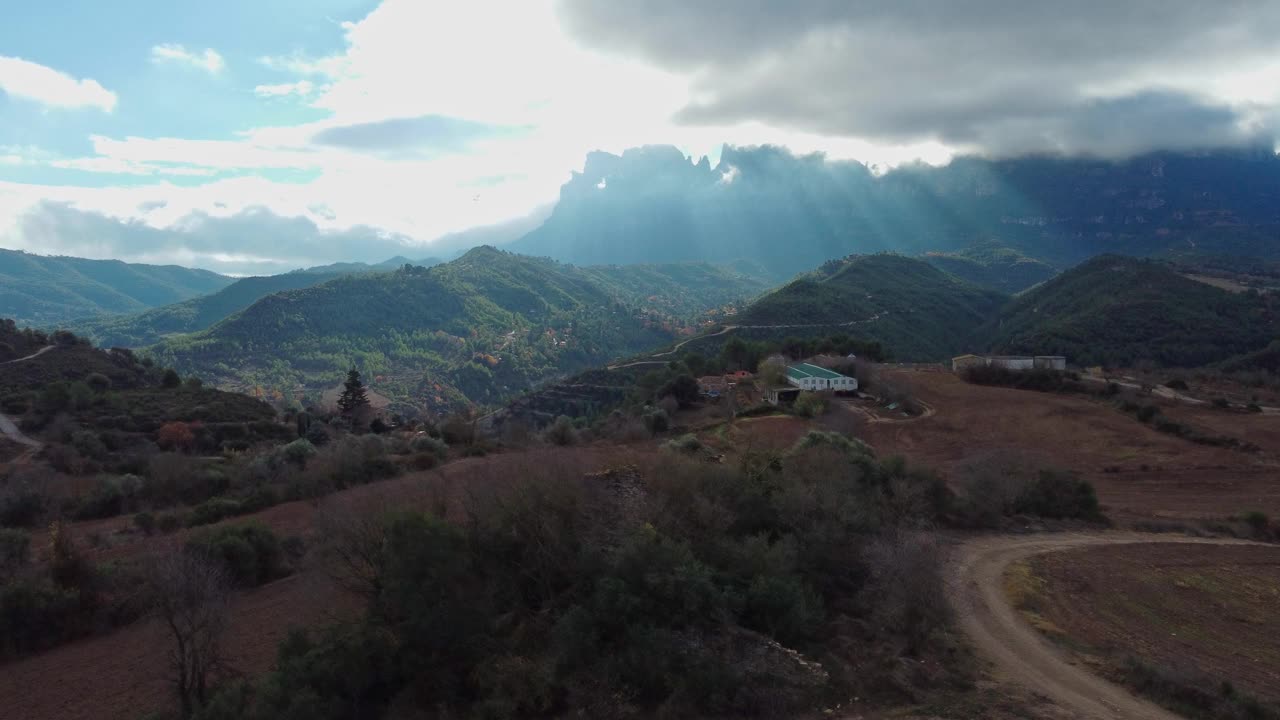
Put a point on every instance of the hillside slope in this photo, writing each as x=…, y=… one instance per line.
x=49, y=291
x=992, y=265
x=191, y=315
x=917, y=311
x=1116, y=311
x=476, y=330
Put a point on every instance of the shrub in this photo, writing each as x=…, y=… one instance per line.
x=145, y=522
x=317, y=435
x=1176, y=384
x=1258, y=523
x=98, y=382
x=35, y=614
x=168, y=522
x=106, y=499
x=821, y=438
x=1253, y=407
x=1221, y=403
x=214, y=509
x=298, y=451
x=21, y=505
x=561, y=432
x=687, y=443
x=251, y=552
x=1147, y=413
x=15, y=550
x=175, y=436
x=656, y=421
x=170, y=379
x=810, y=404
x=424, y=443
x=1056, y=494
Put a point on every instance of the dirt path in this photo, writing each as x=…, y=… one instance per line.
x=1018, y=652
x=35, y=354
x=10, y=428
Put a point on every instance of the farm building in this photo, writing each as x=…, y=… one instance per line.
x=1051, y=362
x=781, y=395
x=811, y=377
x=1009, y=362
x=712, y=384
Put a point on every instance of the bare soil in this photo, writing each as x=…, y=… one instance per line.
x=1140, y=473
x=1207, y=610
x=1017, y=652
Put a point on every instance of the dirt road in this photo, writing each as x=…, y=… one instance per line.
x=1018, y=652
x=35, y=354
x=10, y=428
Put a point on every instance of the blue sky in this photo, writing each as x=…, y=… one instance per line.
x=253, y=137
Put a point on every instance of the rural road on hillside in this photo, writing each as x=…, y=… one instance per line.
x=10, y=428
x=1016, y=649
x=730, y=328
x=35, y=354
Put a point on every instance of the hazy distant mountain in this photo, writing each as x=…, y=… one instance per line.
x=790, y=213
x=47, y=291
x=1116, y=311
x=348, y=268
x=496, y=234
x=479, y=329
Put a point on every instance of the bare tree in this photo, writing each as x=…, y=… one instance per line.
x=192, y=597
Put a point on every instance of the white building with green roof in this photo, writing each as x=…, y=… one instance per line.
x=817, y=379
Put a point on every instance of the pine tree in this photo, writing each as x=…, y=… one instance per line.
x=353, y=396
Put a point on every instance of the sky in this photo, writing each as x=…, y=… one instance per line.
x=251, y=137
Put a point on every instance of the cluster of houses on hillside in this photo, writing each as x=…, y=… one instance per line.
x=1009, y=362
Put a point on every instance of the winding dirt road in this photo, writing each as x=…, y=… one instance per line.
x=1018, y=652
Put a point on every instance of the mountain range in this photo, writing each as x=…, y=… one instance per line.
x=791, y=213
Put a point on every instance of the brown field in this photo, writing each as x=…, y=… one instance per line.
x=1152, y=474
x=1206, y=610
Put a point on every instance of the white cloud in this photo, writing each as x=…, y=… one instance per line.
x=209, y=60
x=302, y=88
x=31, y=81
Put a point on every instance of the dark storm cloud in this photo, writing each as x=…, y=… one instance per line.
x=1001, y=76
x=427, y=133
x=253, y=242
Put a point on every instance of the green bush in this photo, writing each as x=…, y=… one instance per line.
x=298, y=451
x=21, y=505
x=105, y=500
x=1055, y=494
x=15, y=552
x=424, y=443
x=251, y=552
x=214, y=509
x=687, y=443
x=36, y=614
x=810, y=404
x=145, y=522
x=561, y=432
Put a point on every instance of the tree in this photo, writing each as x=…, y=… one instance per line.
x=191, y=594
x=171, y=379
x=353, y=398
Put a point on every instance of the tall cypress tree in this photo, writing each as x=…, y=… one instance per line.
x=353, y=395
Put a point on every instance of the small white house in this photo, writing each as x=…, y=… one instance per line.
x=1011, y=362
x=816, y=379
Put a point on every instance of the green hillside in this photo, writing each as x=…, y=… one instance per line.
x=917, y=311
x=192, y=315
x=479, y=329
x=992, y=265
x=1116, y=311
x=49, y=291
x=683, y=290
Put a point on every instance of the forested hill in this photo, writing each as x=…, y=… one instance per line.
x=763, y=204
x=48, y=291
x=191, y=315
x=917, y=311
x=992, y=265
x=1116, y=311
x=478, y=329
